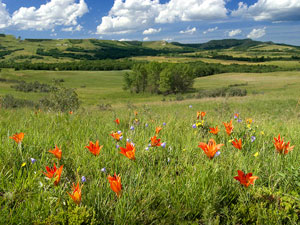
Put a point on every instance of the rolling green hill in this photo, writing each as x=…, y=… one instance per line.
x=16, y=50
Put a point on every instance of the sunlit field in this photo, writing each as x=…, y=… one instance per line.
x=175, y=180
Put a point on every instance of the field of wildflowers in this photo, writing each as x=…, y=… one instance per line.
x=201, y=162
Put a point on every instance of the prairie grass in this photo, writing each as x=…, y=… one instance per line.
x=177, y=184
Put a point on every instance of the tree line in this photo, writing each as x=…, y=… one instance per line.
x=97, y=65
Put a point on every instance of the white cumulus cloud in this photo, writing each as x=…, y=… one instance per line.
x=72, y=29
x=188, y=31
x=210, y=30
x=125, y=39
x=130, y=15
x=146, y=39
x=49, y=15
x=151, y=31
x=191, y=10
x=273, y=10
x=257, y=33
x=4, y=16
x=235, y=32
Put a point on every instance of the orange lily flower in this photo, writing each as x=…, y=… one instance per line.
x=129, y=151
x=236, y=115
x=237, y=143
x=115, y=184
x=281, y=146
x=229, y=127
x=70, y=112
x=54, y=172
x=245, y=180
x=56, y=152
x=157, y=130
x=94, y=148
x=76, y=196
x=211, y=148
x=214, y=130
x=117, y=121
x=155, y=142
x=200, y=114
x=18, y=137
x=117, y=135
x=135, y=113
x=249, y=120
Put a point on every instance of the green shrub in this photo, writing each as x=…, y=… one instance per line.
x=237, y=92
x=9, y=101
x=61, y=99
x=32, y=87
x=265, y=206
x=75, y=215
x=221, y=92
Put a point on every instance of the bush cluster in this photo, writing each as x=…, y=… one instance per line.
x=58, y=99
x=221, y=92
x=33, y=87
x=62, y=99
x=9, y=101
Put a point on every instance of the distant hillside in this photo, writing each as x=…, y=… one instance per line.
x=14, y=49
x=224, y=44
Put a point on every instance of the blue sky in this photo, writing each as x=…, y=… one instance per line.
x=187, y=21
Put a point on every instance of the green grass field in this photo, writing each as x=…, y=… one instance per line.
x=177, y=184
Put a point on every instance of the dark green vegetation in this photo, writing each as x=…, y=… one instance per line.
x=160, y=78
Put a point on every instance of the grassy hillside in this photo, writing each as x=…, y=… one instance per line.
x=106, y=87
x=58, y=51
x=175, y=184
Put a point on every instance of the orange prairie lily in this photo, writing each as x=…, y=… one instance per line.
x=54, y=172
x=237, y=143
x=281, y=146
x=115, y=184
x=229, y=127
x=129, y=151
x=56, y=152
x=157, y=130
x=94, y=148
x=245, y=180
x=200, y=114
x=249, y=120
x=155, y=142
x=18, y=137
x=117, y=135
x=214, y=130
x=211, y=148
x=117, y=121
x=76, y=195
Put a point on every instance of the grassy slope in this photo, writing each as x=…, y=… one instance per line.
x=29, y=49
x=175, y=185
x=106, y=86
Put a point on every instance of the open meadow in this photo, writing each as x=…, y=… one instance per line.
x=174, y=180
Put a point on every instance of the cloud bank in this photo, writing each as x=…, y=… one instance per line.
x=235, y=32
x=257, y=33
x=130, y=15
x=46, y=17
x=271, y=10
